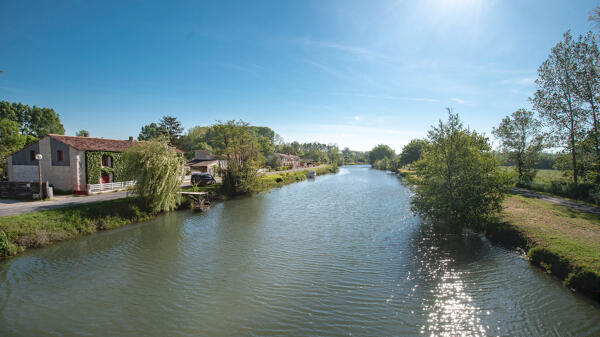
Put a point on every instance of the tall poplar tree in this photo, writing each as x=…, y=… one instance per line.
x=556, y=99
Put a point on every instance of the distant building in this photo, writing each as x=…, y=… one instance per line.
x=70, y=162
x=289, y=160
x=204, y=161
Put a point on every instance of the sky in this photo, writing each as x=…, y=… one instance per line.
x=354, y=73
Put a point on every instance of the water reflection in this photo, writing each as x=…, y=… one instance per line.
x=340, y=255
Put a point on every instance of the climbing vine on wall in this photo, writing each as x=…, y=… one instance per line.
x=94, y=169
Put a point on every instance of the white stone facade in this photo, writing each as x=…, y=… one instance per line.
x=62, y=177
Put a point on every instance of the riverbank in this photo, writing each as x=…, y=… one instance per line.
x=37, y=229
x=563, y=241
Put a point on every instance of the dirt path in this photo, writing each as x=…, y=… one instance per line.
x=12, y=208
x=556, y=200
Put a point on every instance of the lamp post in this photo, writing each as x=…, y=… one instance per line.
x=39, y=159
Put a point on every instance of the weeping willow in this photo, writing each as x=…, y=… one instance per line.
x=159, y=172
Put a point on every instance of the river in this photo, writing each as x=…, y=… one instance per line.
x=339, y=255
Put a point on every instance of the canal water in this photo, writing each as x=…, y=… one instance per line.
x=340, y=255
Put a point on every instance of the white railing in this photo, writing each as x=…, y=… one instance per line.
x=99, y=188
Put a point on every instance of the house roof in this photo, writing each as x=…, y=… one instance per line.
x=96, y=144
x=203, y=155
x=288, y=156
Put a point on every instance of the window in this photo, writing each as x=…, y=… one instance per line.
x=32, y=155
x=59, y=155
x=106, y=162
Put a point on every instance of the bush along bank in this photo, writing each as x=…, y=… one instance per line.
x=561, y=241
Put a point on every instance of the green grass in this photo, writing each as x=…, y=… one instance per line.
x=543, y=177
x=284, y=178
x=563, y=241
x=35, y=229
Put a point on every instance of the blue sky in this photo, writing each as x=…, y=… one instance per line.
x=355, y=73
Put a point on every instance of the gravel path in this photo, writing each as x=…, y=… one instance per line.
x=559, y=201
x=21, y=207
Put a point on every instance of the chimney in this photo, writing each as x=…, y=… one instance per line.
x=131, y=138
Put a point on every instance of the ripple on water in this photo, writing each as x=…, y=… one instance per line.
x=340, y=255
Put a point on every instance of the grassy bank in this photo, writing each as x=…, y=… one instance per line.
x=36, y=229
x=562, y=241
x=284, y=178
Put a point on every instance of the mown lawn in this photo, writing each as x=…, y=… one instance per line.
x=543, y=177
x=564, y=241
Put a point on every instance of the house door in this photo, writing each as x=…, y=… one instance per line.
x=105, y=178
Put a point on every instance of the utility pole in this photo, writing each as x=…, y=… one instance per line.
x=39, y=159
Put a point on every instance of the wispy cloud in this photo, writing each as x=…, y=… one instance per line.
x=459, y=101
x=521, y=81
x=357, y=51
x=356, y=118
x=386, y=97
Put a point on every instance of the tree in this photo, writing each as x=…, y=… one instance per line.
x=521, y=140
x=172, y=128
x=11, y=140
x=83, y=133
x=556, y=98
x=152, y=131
x=159, y=172
x=273, y=160
x=379, y=152
x=238, y=144
x=456, y=181
x=33, y=121
x=412, y=151
x=587, y=88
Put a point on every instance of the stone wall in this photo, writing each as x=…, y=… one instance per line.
x=12, y=189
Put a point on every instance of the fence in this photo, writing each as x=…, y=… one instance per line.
x=108, y=187
x=99, y=188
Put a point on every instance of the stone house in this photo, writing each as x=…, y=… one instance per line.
x=290, y=160
x=204, y=161
x=69, y=163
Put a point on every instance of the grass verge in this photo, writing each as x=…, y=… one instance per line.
x=36, y=229
x=562, y=241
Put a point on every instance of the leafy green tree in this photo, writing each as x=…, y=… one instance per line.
x=172, y=128
x=33, y=121
x=11, y=140
x=520, y=138
x=379, y=152
x=556, y=99
x=237, y=143
x=412, y=151
x=273, y=161
x=152, y=131
x=456, y=181
x=587, y=88
x=159, y=172
x=83, y=133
